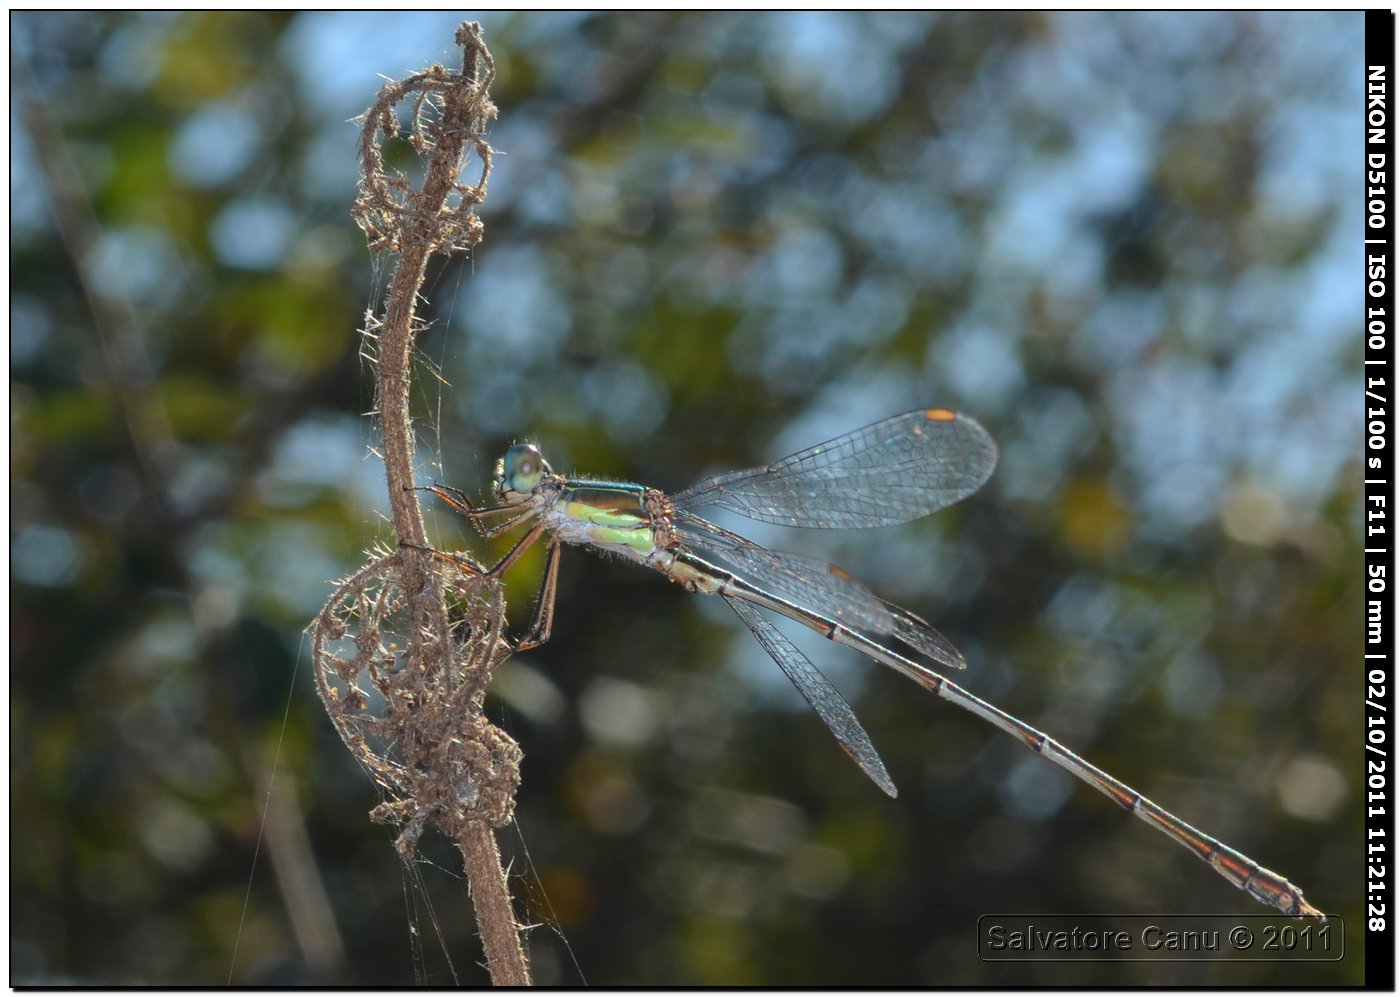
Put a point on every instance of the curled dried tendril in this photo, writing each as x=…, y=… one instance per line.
x=449, y=111
x=414, y=718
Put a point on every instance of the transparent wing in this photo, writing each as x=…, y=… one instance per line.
x=816, y=585
x=894, y=471
x=820, y=694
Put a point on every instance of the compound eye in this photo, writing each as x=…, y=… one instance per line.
x=523, y=466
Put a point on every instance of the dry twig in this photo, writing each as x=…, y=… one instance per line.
x=404, y=648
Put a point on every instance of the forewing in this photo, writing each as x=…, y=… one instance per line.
x=893, y=471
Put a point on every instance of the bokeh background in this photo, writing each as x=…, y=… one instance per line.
x=1128, y=244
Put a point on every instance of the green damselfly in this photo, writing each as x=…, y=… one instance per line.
x=890, y=472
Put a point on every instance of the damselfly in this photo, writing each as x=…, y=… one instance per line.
x=893, y=471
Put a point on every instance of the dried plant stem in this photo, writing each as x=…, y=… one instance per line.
x=437, y=758
x=500, y=937
x=396, y=343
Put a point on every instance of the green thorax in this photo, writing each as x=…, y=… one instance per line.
x=608, y=514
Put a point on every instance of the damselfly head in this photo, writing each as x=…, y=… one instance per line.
x=518, y=473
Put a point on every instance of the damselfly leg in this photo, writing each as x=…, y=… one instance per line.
x=458, y=499
x=542, y=619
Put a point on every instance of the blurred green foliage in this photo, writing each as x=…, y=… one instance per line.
x=1125, y=243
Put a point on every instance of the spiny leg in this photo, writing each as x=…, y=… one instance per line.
x=543, y=621
x=513, y=555
x=492, y=532
x=458, y=499
x=497, y=569
x=542, y=625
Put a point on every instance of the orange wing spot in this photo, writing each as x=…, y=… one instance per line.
x=841, y=573
x=940, y=414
